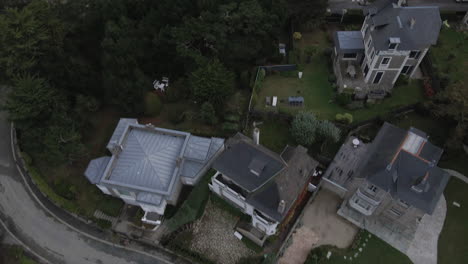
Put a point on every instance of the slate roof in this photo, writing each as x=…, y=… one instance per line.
x=148, y=160
x=119, y=130
x=391, y=21
x=392, y=168
x=96, y=168
x=235, y=160
x=287, y=185
x=349, y=41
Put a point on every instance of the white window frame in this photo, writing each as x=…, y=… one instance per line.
x=385, y=66
x=131, y=196
x=372, y=188
x=369, y=42
x=396, y=46
x=375, y=77
x=418, y=54
x=354, y=58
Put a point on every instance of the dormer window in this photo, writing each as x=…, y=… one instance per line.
x=414, y=54
x=393, y=45
x=256, y=166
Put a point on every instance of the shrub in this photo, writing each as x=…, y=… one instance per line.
x=192, y=208
x=261, y=75
x=104, y=224
x=345, y=118
x=230, y=127
x=232, y=118
x=207, y=113
x=303, y=128
x=153, y=104
x=64, y=189
x=402, y=80
x=343, y=99
x=176, y=114
x=328, y=131
x=332, y=78
x=297, y=35
x=27, y=159
x=177, y=90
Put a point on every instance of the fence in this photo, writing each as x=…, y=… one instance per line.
x=253, y=95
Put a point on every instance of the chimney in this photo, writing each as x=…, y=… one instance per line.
x=401, y=2
x=412, y=22
x=281, y=206
x=256, y=136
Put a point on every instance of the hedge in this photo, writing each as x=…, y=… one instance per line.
x=192, y=208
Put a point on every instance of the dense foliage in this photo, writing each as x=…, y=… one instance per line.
x=306, y=130
x=66, y=59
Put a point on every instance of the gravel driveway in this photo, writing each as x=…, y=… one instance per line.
x=319, y=225
x=214, y=237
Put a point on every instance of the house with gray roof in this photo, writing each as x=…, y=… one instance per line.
x=149, y=165
x=261, y=183
x=388, y=185
x=393, y=41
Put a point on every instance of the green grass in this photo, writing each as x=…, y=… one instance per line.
x=318, y=92
x=452, y=246
x=14, y=255
x=192, y=208
x=319, y=95
x=375, y=251
x=251, y=245
x=451, y=53
x=274, y=134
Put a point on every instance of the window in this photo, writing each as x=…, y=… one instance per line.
x=350, y=56
x=361, y=203
x=378, y=77
x=386, y=61
x=362, y=59
x=125, y=192
x=372, y=55
x=392, y=46
x=407, y=69
x=370, y=42
x=403, y=203
x=395, y=211
x=372, y=188
x=414, y=54
x=366, y=70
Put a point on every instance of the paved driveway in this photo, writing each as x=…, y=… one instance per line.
x=319, y=225
x=52, y=240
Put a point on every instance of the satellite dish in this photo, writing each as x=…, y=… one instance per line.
x=355, y=142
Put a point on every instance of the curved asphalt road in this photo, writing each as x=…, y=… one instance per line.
x=52, y=241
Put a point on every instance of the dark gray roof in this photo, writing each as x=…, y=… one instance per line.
x=395, y=170
x=238, y=155
x=392, y=21
x=349, y=41
x=96, y=168
x=287, y=185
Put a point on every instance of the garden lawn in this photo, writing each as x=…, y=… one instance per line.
x=319, y=95
x=452, y=246
x=374, y=251
x=450, y=55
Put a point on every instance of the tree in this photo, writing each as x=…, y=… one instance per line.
x=207, y=113
x=452, y=103
x=304, y=128
x=211, y=83
x=327, y=131
x=32, y=101
x=306, y=11
x=31, y=38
